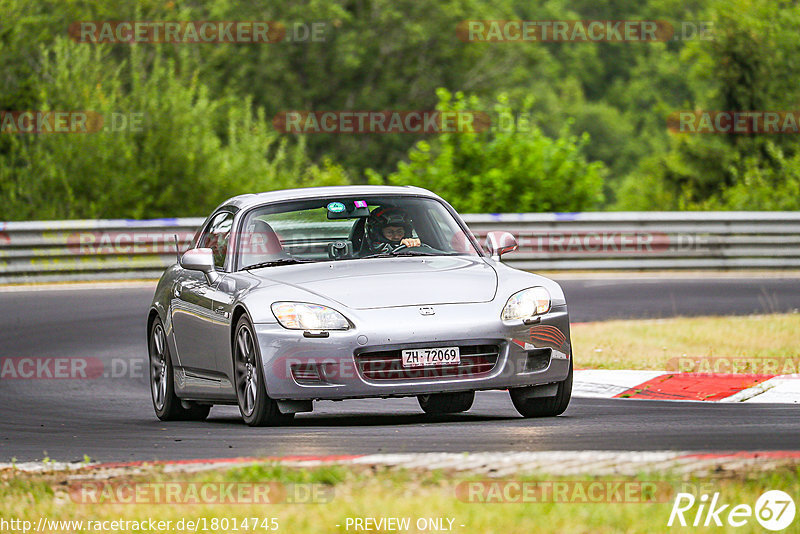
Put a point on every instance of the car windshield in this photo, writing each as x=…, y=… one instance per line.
x=349, y=228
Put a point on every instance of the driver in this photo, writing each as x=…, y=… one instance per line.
x=387, y=229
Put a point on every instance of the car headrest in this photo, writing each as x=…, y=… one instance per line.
x=260, y=243
x=265, y=237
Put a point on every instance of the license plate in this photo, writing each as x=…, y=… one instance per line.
x=437, y=356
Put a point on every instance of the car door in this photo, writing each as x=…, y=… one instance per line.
x=220, y=341
x=194, y=318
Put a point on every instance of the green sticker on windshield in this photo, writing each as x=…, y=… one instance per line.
x=336, y=207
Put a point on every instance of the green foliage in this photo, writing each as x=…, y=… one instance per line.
x=378, y=55
x=775, y=186
x=502, y=169
x=207, y=108
x=189, y=152
x=749, y=65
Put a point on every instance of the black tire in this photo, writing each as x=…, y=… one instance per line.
x=544, y=406
x=256, y=407
x=442, y=403
x=167, y=405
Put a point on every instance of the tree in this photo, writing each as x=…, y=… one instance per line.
x=750, y=65
x=501, y=170
x=184, y=153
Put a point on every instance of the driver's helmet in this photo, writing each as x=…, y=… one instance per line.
x=379, y=219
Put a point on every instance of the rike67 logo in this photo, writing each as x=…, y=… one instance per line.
x=774, y=510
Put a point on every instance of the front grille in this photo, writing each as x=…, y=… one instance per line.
x=476, y=361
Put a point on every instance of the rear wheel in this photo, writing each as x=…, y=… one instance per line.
x=441, y=403
x=529, y=406
x=167, y=405
x=256, y=407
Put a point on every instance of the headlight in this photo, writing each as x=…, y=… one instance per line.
x=302, y=316
x=527, y=303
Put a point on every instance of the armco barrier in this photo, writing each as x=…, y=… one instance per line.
x=109, y=249
x=649, y=240
x=46, y=251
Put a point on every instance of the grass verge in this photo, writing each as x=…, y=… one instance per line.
x=364, y=492
x=663, y=344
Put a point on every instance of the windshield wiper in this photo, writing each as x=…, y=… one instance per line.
x=272, y=263
x=400, y=253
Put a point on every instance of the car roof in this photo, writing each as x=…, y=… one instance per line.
x=257, y=199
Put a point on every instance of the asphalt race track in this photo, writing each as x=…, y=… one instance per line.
x=111, y=419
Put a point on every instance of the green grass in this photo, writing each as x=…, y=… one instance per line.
x=381, y=492
x=689, y=343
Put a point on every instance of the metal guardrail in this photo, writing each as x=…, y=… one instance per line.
x=108, y=249
x=649, y=240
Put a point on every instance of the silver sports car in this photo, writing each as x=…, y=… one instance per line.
x=339, y=293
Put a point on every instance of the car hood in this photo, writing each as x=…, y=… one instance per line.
x=389, y=282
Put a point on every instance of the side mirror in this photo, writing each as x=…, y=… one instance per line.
x=499, y=243
x=200, y=259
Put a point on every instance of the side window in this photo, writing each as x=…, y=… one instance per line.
x=455, y=240
x=441, y=229
x=217, y=235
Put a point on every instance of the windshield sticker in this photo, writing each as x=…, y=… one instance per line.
x=336, y=207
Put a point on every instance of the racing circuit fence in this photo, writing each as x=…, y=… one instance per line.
x=45, y=251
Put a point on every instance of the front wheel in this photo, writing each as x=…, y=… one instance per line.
x=256, y=407
x=442, y=403
x=543, y=406
x=167, y=405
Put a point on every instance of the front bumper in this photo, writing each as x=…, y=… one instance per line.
x=302, y=368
